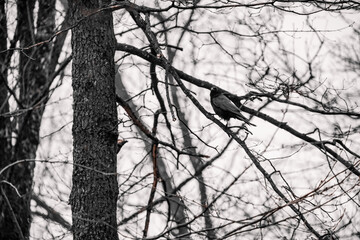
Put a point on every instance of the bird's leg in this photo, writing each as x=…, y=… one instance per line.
x=227, y=123
x=247, y=134
x=246, y=129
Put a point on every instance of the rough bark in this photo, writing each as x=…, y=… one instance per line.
x=94, y=193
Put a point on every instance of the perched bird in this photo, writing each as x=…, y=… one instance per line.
x=224, y=107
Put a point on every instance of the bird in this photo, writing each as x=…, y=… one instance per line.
x=224, y=107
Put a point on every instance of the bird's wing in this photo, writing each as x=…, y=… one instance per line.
x=225, y=104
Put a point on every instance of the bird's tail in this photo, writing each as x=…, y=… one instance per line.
x=242, y=118
x=249, y=123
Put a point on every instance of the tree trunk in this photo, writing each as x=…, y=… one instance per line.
x=94, y=193
x=4, y=105
x=5, y=134
x=33, y=88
